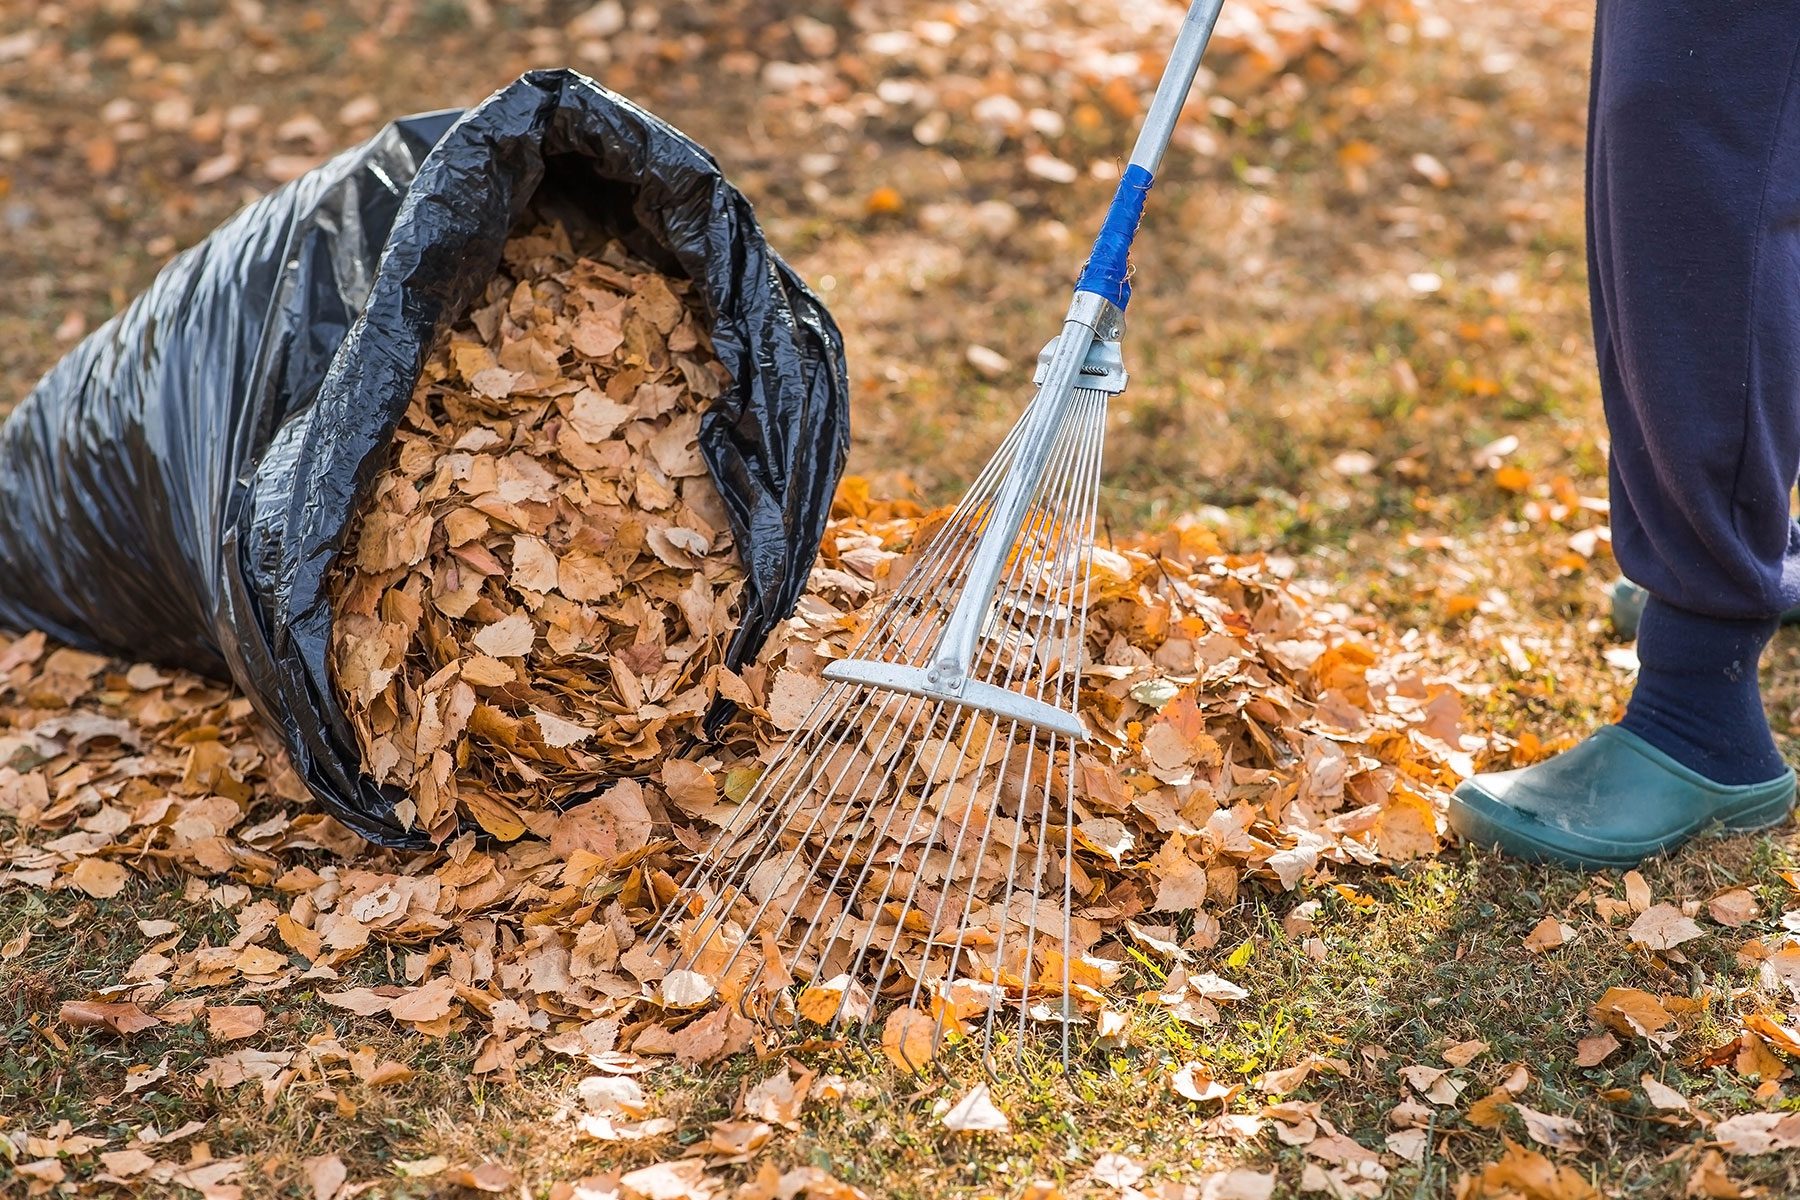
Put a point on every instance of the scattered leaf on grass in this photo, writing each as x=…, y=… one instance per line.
x=1592, y=1051
x=1547, y=1129
x=120, y=1017
x=326, y=1175
x=1547, y=935
x=1734, y=907
x=1524, y=1174
x=1663, y=927
x=975, y=1113
x=228, y=1022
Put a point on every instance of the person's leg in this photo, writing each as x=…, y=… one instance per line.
x=1694, y=266
x=1694, y=275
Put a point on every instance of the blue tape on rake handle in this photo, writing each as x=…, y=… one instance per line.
x=1106, y=269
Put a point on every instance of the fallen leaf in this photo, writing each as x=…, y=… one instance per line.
x=1559, y=1133
x=1662, y=1096
x=232, y=1021
x=1632, y=1012
x=1592, y=1051
x=99, y=877
x=120, y=1017
x=1196, y=1083
x=326, y=1174
x=1548, y=935
x=909, y=1039
x=1710, y=1180
x=975, y=1113
x=425, y=1003
x=1118, y=1170
x=1464, y=1053
x=1734, y=907
x=1523, y=1174
x=1663, y=927
x=1758, y=1133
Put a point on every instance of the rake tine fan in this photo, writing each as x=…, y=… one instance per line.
x=911, y=847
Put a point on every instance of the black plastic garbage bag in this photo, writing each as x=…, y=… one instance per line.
x=177, y=488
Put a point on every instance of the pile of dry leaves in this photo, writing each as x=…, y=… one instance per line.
x=1239, y=732
x=536, y=594
x=1243, y=733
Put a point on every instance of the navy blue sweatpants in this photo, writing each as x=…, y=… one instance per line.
x=1694, y=265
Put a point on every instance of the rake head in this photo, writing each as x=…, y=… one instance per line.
x=910, y=848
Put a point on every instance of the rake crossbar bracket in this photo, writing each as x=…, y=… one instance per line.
x=1103, y=369
x=967, y=693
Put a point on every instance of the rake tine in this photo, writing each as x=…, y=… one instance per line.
x=1037, y=874
x=980, y=648
x=1044, y=618
x=1020, y=566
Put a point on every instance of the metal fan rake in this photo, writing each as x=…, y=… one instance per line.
x=911, y=847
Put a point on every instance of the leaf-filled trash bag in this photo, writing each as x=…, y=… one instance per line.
x=178, y=488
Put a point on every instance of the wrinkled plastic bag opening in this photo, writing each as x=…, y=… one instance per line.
x=177, y=488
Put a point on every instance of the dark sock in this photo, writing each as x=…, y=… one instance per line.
x=1697, y=697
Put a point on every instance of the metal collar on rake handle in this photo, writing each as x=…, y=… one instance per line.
x=1087, y=347
x=937, y=768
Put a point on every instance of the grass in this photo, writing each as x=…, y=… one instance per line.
x=1411, y=963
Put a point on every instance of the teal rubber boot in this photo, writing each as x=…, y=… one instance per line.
x=1612, y=801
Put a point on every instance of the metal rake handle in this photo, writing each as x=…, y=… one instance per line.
x=1107, y=267
x=1101, y=295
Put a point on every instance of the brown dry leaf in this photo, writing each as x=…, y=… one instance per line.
x=326, y=1174
x=1433, y=1083
x=1772, y=1031
x=739, y=1138
x=1117, y=1170
x=1547, y=935
x=1662, y=1096
x=1558, y=1133
x=682, y=1180
x=123, y=1164
x=1710, y=1180
x=1637, y=891
x=1195, y=1082
x=686, y=989
x=975, y=1113
x=120, y=1017
x=779, y=1098
x=483, y=1177
x=1239, y=1183
x=229, y=1070
x=229, y=1022
x=1592, y=1051
x=1632, y=1012
x=424, y=1004
x=1464, y=1053
x=909, y=1039
x=509, y=637
x=821, y=1002
x=364, y=1002
x=1758, y=1133
x=1524, y=1174
x=1734, y=907
x=1663, y=927
x=99, y=877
